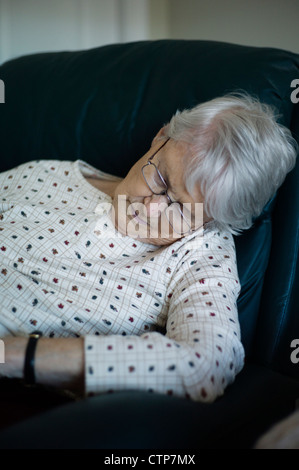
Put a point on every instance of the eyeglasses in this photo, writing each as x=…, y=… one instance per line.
x=158, y=186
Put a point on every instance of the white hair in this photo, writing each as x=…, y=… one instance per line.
x=239, y=156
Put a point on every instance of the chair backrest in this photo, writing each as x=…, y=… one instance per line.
x=278, y=321
x=105, y=105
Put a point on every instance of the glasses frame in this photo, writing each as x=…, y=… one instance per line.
x=165, y=192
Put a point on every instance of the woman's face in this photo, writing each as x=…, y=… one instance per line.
x=141, y=214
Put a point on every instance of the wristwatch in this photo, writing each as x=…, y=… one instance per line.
x=29, y=372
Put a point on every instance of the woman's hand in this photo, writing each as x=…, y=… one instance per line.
x=15, y=347
x=59, y=362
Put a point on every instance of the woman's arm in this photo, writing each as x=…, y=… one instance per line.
x=59, y=362
x=201, y=352
x=198, y=357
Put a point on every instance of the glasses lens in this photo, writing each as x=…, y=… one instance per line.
x=178, y=222
x=153, y=179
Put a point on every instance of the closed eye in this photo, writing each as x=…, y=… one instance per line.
x=165, y=177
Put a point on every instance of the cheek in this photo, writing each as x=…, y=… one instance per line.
x=132, y=185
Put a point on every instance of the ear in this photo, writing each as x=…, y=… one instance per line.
x=160, y=134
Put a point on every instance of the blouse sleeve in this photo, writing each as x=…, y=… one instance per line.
x=201, y=352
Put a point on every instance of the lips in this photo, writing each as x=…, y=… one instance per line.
x=135, y=215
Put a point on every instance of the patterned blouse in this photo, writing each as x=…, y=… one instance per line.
x=158, y=319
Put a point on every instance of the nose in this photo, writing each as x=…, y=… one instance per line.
x=155, y=204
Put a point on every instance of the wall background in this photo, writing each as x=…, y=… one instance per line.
x=28, y=26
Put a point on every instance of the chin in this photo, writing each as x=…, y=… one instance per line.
x=156, y=241
x=126, y=228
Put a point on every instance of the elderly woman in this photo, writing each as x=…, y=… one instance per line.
x=132, y=283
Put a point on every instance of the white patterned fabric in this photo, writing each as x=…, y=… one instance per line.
x=159, y=319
